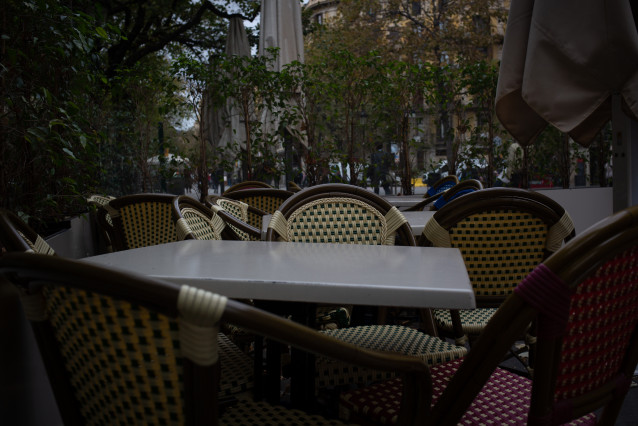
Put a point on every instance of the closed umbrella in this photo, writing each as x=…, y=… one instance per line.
x=562, y=62
x=220, y=126
x=236, y=45
x=280, y=22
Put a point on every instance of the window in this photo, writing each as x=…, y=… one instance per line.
x=319, y=18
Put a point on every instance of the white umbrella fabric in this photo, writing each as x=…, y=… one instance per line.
x=280, y=23
x=561, y=63
x=223, y=125
x=280, y=27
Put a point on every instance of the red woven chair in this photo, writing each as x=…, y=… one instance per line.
x=585, y=301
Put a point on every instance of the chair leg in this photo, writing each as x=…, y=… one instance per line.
x=459, y=336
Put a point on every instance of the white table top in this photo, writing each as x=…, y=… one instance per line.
x=422, y=277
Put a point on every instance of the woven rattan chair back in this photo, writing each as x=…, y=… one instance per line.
x=16, y=235
x=239, y=216
x=293, y=187
x=102, y=219
x=195, y=221
x=585, y=301
x=503, y=233
x=126, y=349
x=142, y=220
x=264, y=199
x=346, y=214
x=248, y=184
x=339, y=213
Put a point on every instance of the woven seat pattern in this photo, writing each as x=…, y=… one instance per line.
x=241, y=212
x=499, y=249
x=101, y=201
x=249, y=413
x=200, y=225
x=337, y=220
x=505, y=400
x=602, y=315
x=391, y=338
x=108, y=348
x=147, y=224
x=39, y=245
x=109, y=344
x=267, y=203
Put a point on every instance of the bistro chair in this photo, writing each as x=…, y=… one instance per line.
x=142, y=220
x=195, y=221
x=265, y=199
x=346, y=214
x=243, y=215
x=147, y=219
x=584, y=299
x=434, y=192
x=502, y=233
x=126, y=349
x=16, y=235
x=458, y=190
x=103, y=220
x=293, y=187
x=248, y=184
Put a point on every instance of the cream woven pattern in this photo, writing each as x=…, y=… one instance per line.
x=196, y=223
x=338, y=220
x=558, y=232
x=240, y=211
x=199, y=323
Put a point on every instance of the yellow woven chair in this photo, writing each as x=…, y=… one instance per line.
x=243, y=215
x=103, y=220
x=346, y=214
x=265, y=199
x=584, y=299
x=502, y=233
x=126, y=349
x=16, y=235
x=142, y=220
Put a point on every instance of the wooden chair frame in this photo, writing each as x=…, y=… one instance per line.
x=29, y=272
x=248, y=184
x=184, y=201
x=119, y=240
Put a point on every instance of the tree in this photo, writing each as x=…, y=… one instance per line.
x=149, y=27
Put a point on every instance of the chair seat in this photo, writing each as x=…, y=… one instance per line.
x=236, y=368
x=473, y=320
x=393, y=338
x=505, y=399
x=249, y=413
